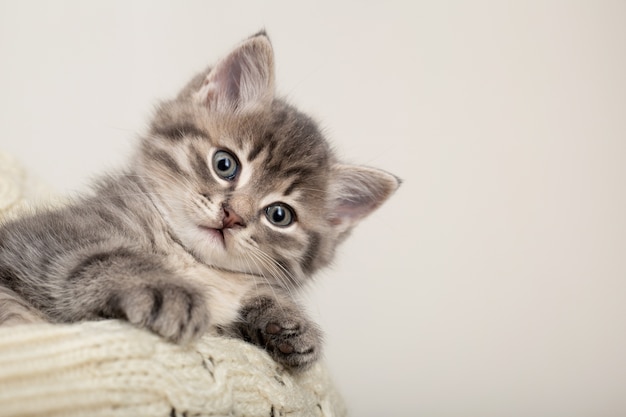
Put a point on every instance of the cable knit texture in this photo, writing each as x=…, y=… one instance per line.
x=110, y=368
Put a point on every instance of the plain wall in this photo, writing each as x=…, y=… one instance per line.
x=494, y=282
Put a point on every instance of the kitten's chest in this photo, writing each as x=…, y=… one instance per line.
x=224, y=290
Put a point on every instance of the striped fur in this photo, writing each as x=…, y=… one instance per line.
x=171, y=245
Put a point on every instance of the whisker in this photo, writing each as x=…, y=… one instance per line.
x=269, y=284
x=279, y=272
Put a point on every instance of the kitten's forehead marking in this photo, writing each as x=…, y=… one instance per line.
x=181, y=157
x=246, y=168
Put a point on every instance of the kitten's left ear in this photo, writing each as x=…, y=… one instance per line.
x=242, y=81
x=356, y=192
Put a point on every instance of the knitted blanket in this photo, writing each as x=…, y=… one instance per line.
x=110, y=368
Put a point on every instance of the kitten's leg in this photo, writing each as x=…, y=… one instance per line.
x=135, y=287
x=15, y=310
x=278, y=325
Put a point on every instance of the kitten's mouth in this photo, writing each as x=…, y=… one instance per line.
x=216, y=234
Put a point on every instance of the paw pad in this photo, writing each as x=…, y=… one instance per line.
x=273, y=328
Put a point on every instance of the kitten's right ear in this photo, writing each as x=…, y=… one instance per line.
x=242, y=81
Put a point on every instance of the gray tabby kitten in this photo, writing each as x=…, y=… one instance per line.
x=231, y=203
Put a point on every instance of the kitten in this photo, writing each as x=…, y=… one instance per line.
x=231, y=203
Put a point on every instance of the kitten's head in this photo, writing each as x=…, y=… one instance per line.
x=247, y=182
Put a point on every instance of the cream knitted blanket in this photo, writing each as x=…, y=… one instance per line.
x=110, y=368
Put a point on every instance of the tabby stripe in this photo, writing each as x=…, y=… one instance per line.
x=292, y=186
x=283, y=241
x=9, y=278
x=300, y=171
x=200, y=166
x=107, y=216
x=148, y=231
x=114, y=221
x=165, y=159
x=96, y=259
x=179, y=131
x=311, y=252
x=280, y=164
x=256, y=150
x=111, y=219
x=271, y=144
x=119, y=201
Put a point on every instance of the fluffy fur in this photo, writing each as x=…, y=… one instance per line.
x=231, y=203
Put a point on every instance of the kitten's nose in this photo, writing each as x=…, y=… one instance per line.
x=231, y=218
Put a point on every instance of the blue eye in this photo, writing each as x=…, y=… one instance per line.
x=225, y=165
x=280, y=214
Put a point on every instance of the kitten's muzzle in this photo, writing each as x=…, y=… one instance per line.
x=230, y=220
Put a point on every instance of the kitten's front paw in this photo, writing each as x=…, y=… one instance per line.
x=288, y=336
x=176, y=312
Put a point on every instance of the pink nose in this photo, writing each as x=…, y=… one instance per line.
x=231, y=219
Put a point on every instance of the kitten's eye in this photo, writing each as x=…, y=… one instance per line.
x=225, y=164
x=280, y=214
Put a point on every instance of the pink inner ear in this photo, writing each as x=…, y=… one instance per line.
x=243, y=80
x=359, y=191
x=225, y=81
x=350, y=210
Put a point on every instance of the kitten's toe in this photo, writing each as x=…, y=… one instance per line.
x=173, y=311
x=295, y=349
x=289, y=337
x=178, y=314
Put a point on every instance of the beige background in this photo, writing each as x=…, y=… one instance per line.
x=494, y=282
